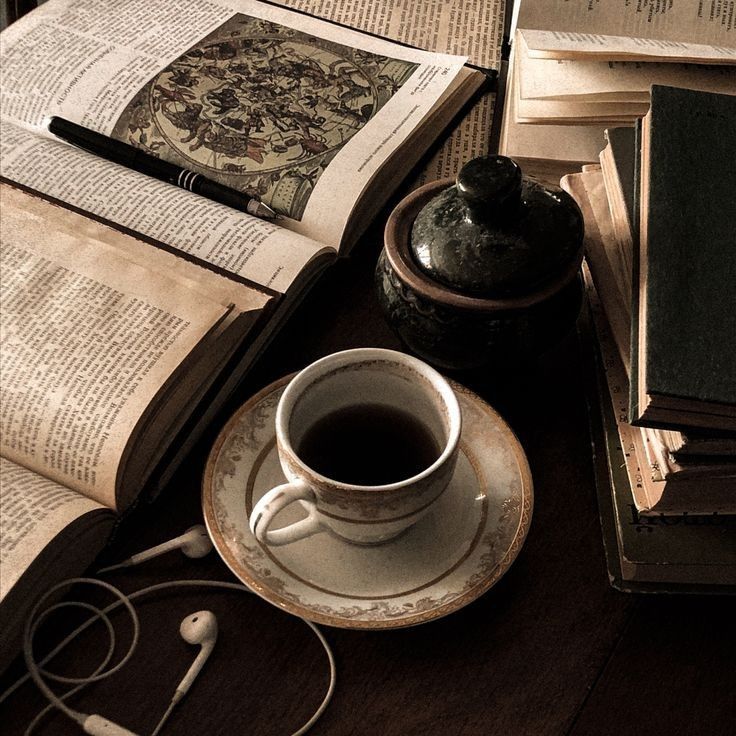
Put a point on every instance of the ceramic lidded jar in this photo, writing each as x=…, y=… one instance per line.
x=483, y=271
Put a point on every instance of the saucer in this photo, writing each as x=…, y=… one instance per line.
x=452, y=555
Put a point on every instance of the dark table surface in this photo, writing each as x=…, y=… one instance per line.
x=551, y=649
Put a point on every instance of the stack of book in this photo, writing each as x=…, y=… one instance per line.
x=661, y=250
x=576, y=68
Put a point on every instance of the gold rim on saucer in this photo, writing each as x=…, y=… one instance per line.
x=445, y=561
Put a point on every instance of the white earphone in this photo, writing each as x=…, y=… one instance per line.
x=198, y=628
x=194, y=543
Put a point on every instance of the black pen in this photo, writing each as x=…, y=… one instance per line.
x=133, y=158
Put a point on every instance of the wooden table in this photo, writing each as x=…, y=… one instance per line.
x=551, y=649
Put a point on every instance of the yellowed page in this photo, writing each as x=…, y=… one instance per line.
x=260, y=251
x=557, y=112
x=595, y=187
x=618, y=386
x=329, y=149
x=574, y=143
x=472, y=28
x=620, y=81
x=691, y=30
x=578, y=113
x=88, y=339
x=601, y=268
x=33, y=511
x=214, y=286
x=617, y=209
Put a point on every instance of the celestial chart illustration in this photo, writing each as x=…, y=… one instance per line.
x=261, y=107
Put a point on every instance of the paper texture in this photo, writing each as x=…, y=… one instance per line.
x=257, y=250
x=602, y=268
x=472, y=28
x=88, y=339
x=614, y=81
x=621, y=268
x=571, y=143
x=33, y=510
x=682, y=29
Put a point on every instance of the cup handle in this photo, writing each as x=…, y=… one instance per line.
x=277, y=499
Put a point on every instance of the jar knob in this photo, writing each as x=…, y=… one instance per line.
x=490, y=185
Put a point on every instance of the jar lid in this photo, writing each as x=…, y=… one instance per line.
x=496, y=233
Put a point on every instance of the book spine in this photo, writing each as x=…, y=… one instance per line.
x=634, y=380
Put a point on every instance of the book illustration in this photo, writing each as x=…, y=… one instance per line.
x=261, y=107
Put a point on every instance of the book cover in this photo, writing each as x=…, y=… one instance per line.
x=619, y=162
x=687, y=262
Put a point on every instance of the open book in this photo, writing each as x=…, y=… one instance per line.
x=128, y=304
x=578, y=67
x=688, y=30
x=472, y=28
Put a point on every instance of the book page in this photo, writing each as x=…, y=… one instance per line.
x=566, y=143
x=555, y=112
x=614, y=81
x=596, y=190
x=696, y=30
x=472, y=28
x=223, y=289
x=597, y=259
x=276, y=104
x=88, y=339
x=259, y=251
x=33, y=511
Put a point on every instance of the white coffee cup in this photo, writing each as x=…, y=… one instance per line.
x=359, y=381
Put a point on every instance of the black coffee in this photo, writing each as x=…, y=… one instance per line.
x=368, y=445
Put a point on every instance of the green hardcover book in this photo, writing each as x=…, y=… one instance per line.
x=684, y=363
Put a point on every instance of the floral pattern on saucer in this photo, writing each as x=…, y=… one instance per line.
x=449, y=558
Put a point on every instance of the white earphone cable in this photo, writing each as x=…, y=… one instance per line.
x=156, y=731
x=34, y=621
x=37, y=672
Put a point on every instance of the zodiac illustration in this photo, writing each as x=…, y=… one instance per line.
x=258, y=105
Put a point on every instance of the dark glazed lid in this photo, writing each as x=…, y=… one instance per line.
x=496, y=234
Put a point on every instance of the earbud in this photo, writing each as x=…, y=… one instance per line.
x=199, y=628
x=195, y=542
